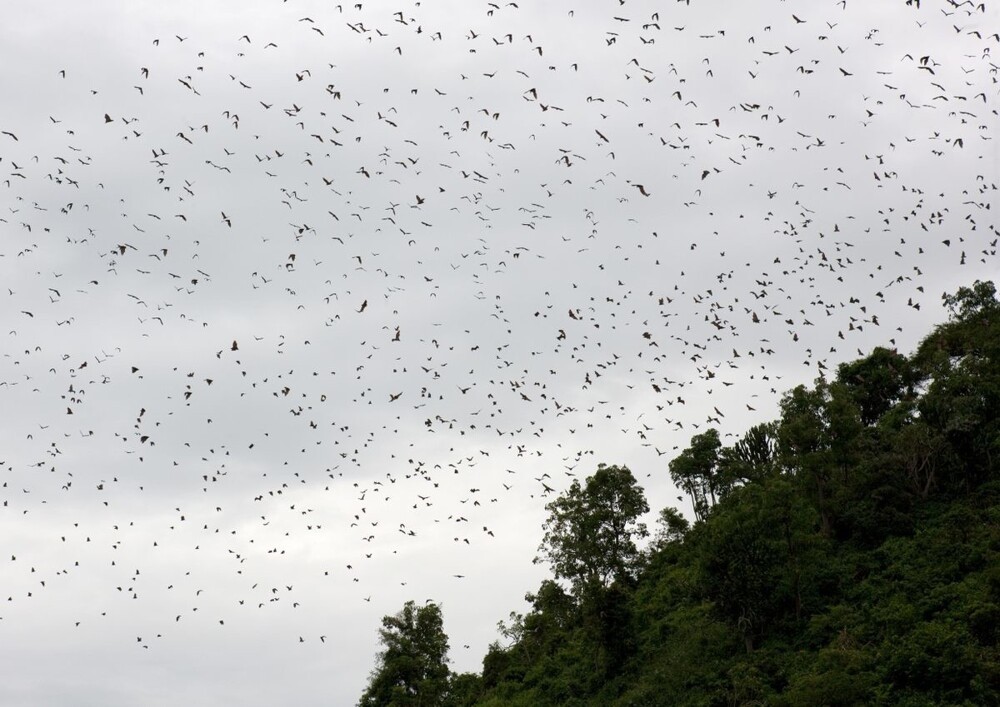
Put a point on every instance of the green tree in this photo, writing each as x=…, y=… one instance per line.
x=412, y=669
x=752, y=458
x=672, y=528
x=590, y=541
x=464, y=690
x=741, y=563
x=591, y=530
x=694, y=471
x=818, y=439
x=962, y=399
x=878, y=381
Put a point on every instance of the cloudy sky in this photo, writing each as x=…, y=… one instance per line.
x=309, y=309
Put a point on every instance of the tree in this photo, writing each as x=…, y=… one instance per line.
x=976, y=305
x=672, y=528
x=878, y=381
x=464, y=690
x=590, y=541
x=752, y=458
x=591, y=530
x=412, y=670
x=741, y=563
x=962, y=398
x=694, y=471
x=818, y=437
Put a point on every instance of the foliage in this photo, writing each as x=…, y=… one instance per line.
x=694, y=471
x=412, y=669
x=672, y=527
x=591, y=530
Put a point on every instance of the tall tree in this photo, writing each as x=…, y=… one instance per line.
x=818, y=436
x=590, y=541
x=751, y=458
x=962, y=399
x=412, y=669
x=878, y=381
x=672, y=528
x=591, y=530
x=694, y=471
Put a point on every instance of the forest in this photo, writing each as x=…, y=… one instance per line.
x=845, y=553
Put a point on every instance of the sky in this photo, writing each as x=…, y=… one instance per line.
x=309, y=309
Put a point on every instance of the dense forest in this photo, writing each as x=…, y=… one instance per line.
x=843, y=554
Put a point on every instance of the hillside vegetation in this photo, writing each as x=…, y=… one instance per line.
x=843, y=554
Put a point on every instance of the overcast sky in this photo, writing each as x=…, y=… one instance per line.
x=307, y=305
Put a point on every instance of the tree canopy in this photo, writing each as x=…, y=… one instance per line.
x=412, y=669
x=591, y=532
